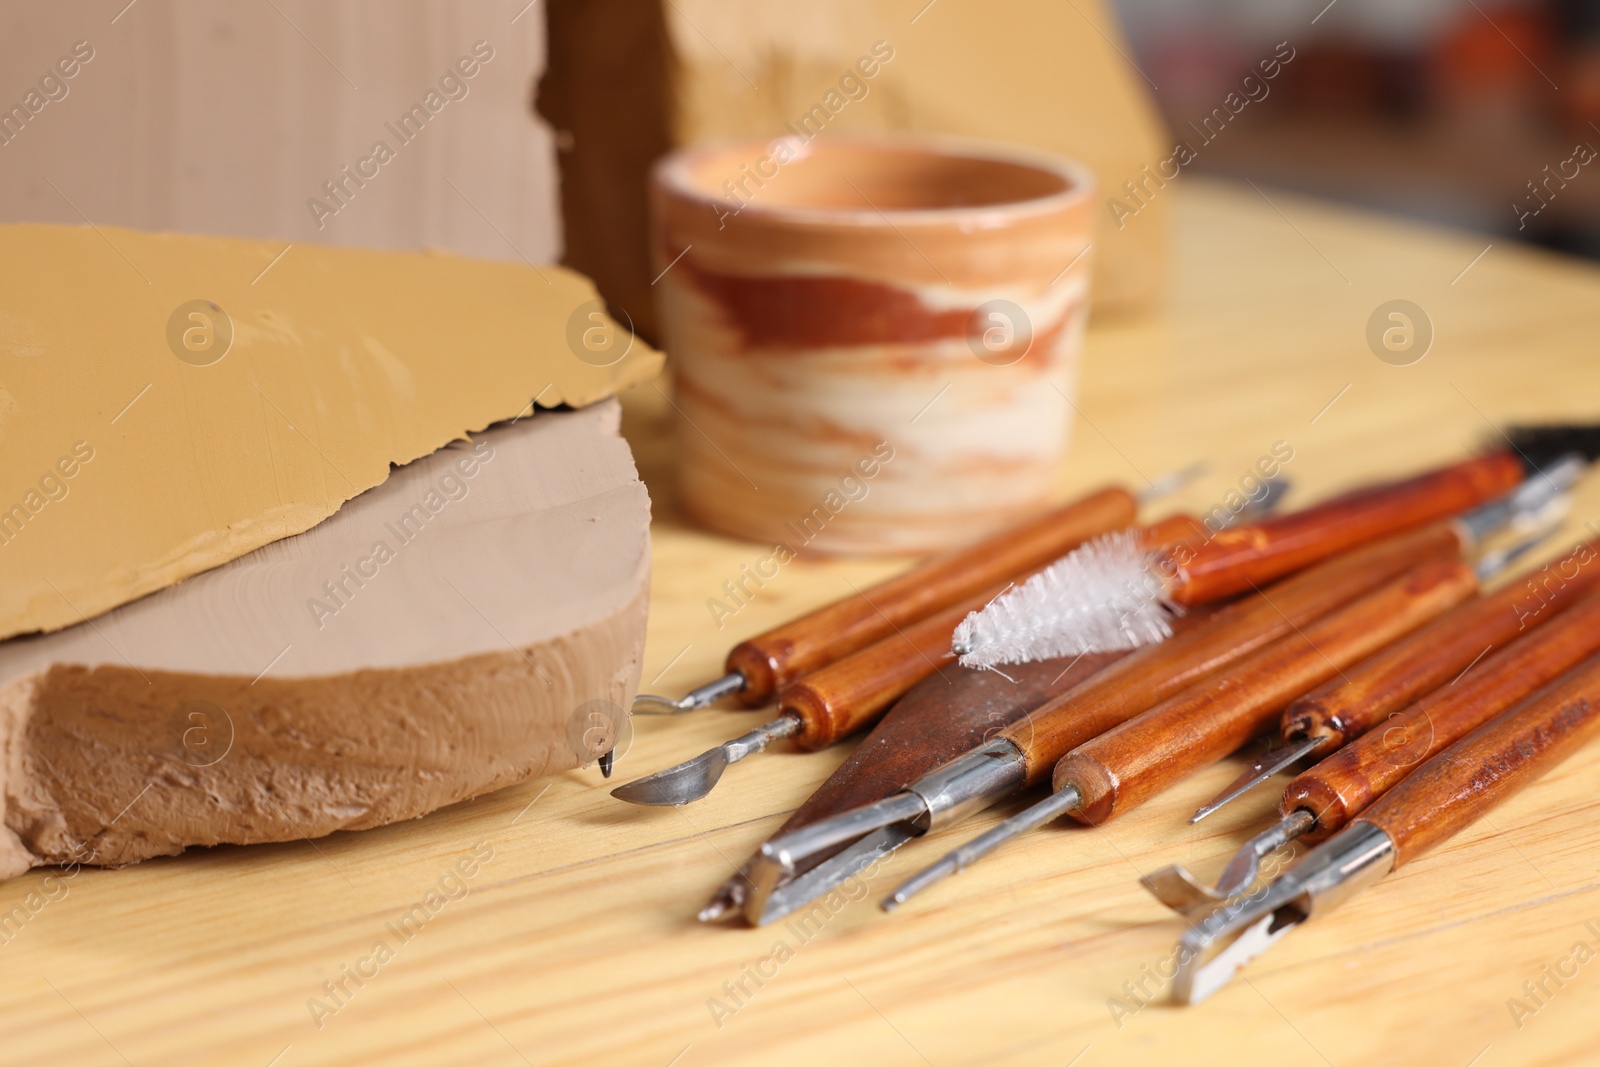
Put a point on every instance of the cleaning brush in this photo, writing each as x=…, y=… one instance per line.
x=1112, y=593
x=1100, y=597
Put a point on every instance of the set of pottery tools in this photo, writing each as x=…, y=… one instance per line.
x=1114, y=660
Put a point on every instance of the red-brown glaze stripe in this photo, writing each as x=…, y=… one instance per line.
x=818, y=312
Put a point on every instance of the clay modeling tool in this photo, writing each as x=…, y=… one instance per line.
x=1114, y=583
x=1026, y=750
x=761, y=666
x=1348, y=706
x=1130, y=763
x=1328, y=796
x=937, y=720
x=847, y=695
x=819, y=709
x=1450, y=792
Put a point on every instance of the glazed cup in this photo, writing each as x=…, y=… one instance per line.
x=874, y=342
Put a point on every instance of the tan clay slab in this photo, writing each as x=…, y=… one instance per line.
x=450, y=632
x=125, y=468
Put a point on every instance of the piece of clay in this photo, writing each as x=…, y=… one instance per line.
x=476, y=620
x=170, y=402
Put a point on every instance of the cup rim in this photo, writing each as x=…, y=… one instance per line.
x=673, y=174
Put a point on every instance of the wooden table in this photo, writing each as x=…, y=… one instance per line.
x=576, y=943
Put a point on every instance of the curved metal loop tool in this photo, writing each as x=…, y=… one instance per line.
x=710, y=693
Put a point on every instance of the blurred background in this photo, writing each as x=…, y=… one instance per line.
x=1445, y=110
x=241, y=116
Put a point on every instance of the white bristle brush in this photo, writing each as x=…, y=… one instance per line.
x=1098, y=598
x=1109, y=594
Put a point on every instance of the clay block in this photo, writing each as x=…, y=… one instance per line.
x=476, y=620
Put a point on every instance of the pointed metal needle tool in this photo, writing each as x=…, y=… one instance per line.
x=1434, y=803
x=694, y=778
x=1277, y=758
x=1536, y=508
x=963, y=857
x=1507, y=675
x=710, y=693
x=1171, y=482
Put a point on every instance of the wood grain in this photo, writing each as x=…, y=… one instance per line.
x=1156, y=672
x=577, y=944
x=1482, y=770
x=1234, y=560
x=1128, y=765
x=771, y=660
x=1347, y=706
x=1347, y=782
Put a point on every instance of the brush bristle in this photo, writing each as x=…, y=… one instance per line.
x=1540, y=445
x=1101, y=597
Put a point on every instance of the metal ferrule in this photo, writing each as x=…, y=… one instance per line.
x=1535, y=494
x=1225, y=941
x=968, y=784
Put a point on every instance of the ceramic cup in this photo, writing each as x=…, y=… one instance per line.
x=874, y=342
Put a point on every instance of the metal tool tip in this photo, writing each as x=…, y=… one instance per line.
x=726, y=900
x=1278, y=757
x=710, y=693
x=650, y=704
x=606, y=760
x=931, y=875
x=675, y=785
x=693, y=779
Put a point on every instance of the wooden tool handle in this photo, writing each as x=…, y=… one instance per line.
x=937, y=720
x=1174, y=530
x=940, y=718
x=1131, y=763
x=1237, y=559
x=1347, y=706
x=848, y=694
x=1459, y=785
x=1347, y=782
x=851, y=693
x=772, y=660
x=1155, y=673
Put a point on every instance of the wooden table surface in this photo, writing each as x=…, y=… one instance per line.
x=576, y=942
